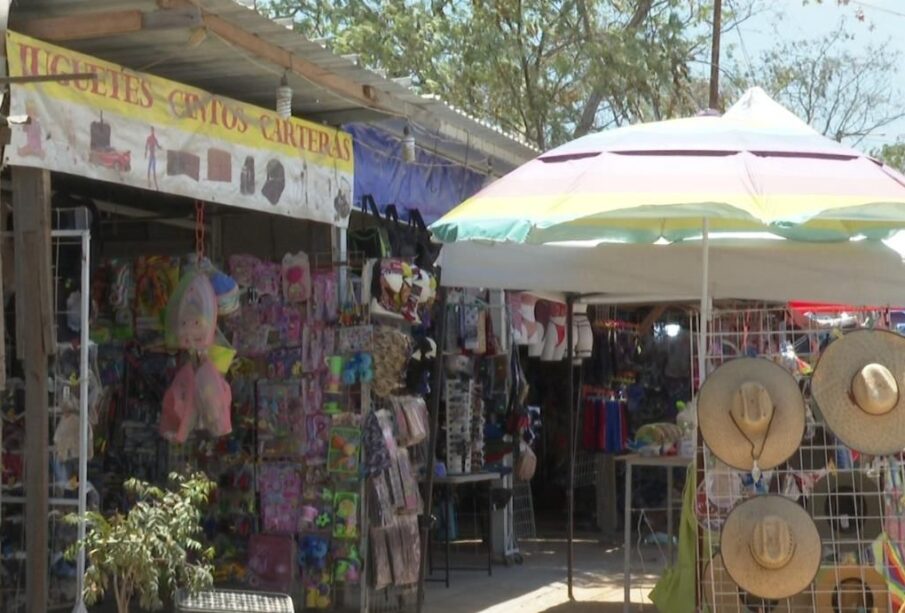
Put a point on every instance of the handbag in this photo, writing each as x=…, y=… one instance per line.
x=411, y=239
x=372, y=241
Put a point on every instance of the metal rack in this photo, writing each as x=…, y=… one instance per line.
x=63, y=592
x=853, y=521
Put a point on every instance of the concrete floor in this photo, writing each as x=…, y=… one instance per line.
x=539, y=585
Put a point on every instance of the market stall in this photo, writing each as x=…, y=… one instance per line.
x=230, y=333
x=756, y=168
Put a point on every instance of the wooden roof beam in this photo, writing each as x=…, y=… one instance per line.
x=82, y=27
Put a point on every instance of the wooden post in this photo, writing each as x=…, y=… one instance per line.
x=31, y=220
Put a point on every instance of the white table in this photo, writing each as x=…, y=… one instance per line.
x=670, y=463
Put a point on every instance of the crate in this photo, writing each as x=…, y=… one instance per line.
x=233, y=601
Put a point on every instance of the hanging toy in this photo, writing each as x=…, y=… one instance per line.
x=227, y=292
x=359, y=368
x=192, y=314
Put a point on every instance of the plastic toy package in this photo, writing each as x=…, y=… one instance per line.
x=270, y=562
x=280, y=418
x=344, y=451
x=317, y=438
x=411, y=549
x=317, y=576
x=296, y=276
x=345, y=515
x=381, y=571
x=325, y=296
x=354, y=338
x=382, y=513
x=316, y=512
x=411, y=495
x=346, y=562
x=281, y=490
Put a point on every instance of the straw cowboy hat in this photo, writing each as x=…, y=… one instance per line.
x=721, y=593
x=857, y=386
x=847, y=509
x=850, y=588
x=751, y=410
x=770, y=547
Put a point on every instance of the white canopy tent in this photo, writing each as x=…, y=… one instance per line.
x=857, y=273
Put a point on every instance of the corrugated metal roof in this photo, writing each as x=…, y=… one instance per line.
x=224, y=68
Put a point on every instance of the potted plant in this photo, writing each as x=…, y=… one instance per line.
x=153, y=549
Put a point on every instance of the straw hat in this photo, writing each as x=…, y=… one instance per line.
x=721, y=593
x=770, y=547
x=850, y=588
x=751, y=409
x=846, y=507
x=857, y=386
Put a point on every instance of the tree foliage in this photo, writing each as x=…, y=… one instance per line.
x=845, y=95
x=892, y=154
x=548, y=69
x=153, y=549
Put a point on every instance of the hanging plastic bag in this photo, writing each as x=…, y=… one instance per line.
x=213, y=398
x=179, y=409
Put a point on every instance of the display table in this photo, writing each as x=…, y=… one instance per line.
x=450, y=482
x=670, y=463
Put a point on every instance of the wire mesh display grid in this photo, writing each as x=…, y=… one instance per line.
x=856, y=502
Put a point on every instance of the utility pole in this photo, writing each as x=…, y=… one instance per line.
x=715, y=55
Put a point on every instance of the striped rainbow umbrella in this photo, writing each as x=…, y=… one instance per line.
x=755, y=168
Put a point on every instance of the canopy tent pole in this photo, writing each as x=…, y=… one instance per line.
x=705, y=301
x=570, y=350
x=436, y=390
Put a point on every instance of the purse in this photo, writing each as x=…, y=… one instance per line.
x=411, y=239
x=372, y=241
x=527, y=464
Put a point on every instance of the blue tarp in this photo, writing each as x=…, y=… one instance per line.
x=433, y=185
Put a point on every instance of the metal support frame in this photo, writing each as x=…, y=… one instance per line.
x=436, y=387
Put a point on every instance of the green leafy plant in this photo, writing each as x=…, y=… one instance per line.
x=152, y=550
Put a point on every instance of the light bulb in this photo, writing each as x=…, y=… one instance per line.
x=284, y=99
x=672, y=330
x=408, y=145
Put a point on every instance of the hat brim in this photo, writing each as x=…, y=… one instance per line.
x=721, y=434
x=738, y=532
x=844, y=486
x=829, y=578
x=721, y=593
x=831, y=388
